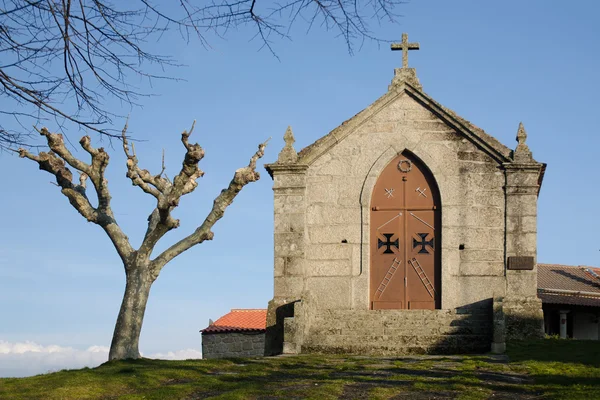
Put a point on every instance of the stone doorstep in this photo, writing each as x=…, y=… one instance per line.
x=392, y=323
x=332, y=311
x=358, y=325
x=441, y=331
x=346, y=313
x=408, y=316
x=413, y=320
x=398, y=341
x=414, y=324
x=402, y=331
x=390, y=351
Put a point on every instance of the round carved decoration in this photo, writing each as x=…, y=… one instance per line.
x=405, y=165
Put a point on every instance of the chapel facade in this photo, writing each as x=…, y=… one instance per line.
x=407, y=229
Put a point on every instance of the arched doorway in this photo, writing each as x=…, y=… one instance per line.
x=405, y=237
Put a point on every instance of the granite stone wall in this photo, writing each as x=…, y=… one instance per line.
x=227, y=345
x=322, y=213
x=339, y=186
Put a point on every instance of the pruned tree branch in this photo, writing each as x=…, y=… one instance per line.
x=55, y=162
x=139, y=177
x=241, y=178
x=50, y=162
x=168, y=194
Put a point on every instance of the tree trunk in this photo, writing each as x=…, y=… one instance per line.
x=125, y=342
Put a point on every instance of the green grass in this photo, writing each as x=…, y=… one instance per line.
x=559, y=369
x=564, y=369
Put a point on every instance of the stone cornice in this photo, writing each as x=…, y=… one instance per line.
x=277, y=168
x=526, y=168
x=533, y=166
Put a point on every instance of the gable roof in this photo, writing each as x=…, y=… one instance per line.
x=239, y=320
x=476, y=135
x=572, y=285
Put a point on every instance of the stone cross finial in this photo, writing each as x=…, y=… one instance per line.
x=405, y=47
x=288, y=154
x=522, y=152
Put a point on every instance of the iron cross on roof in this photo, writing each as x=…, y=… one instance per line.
x=405, y=47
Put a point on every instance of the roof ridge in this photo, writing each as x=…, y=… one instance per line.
x=566, y=266
x=558, y=265
x=486, y=142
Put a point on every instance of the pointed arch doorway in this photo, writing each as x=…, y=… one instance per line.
x=405, y=237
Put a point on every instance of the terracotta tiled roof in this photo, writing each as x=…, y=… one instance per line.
x=565, y=284
x=577, y=278
x=239, y=320
x=575, y=300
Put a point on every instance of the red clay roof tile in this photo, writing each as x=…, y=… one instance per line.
x=240, y=320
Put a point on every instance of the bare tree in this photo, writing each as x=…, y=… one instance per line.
x=62, y=59
x=140, y=270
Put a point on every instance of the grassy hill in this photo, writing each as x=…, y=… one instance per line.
x=560, y=369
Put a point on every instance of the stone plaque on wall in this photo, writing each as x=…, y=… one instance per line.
x=520, y=263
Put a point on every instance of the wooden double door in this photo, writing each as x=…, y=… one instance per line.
x=405, y=262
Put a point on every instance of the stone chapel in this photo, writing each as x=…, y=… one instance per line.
x=406, y=229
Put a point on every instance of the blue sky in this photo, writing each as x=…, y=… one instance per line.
x=494, y=63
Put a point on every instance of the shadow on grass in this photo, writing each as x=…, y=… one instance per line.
x=431, y=380
x=301, y=375
x=585, y=352
x=552, y=368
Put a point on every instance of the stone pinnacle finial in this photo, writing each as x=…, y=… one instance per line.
x=288, y=154
x=521, y=134
x=289, y=136
x=522, y=152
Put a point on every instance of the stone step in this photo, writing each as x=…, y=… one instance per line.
x=428, y=330
x=385, y=350
x=379, y=324
x=406, y=320
x=398, y=316
x=393, y=332
x=398, y=341
x=423, y=313
x=353, y=322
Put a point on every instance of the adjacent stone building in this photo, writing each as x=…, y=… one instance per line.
x=407, y=229
x=239, y=333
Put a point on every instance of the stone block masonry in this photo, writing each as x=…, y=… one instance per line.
x=229, y=345
x=326, y=251
x=395, y=332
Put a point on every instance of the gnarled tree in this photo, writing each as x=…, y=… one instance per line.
x=140, y=270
